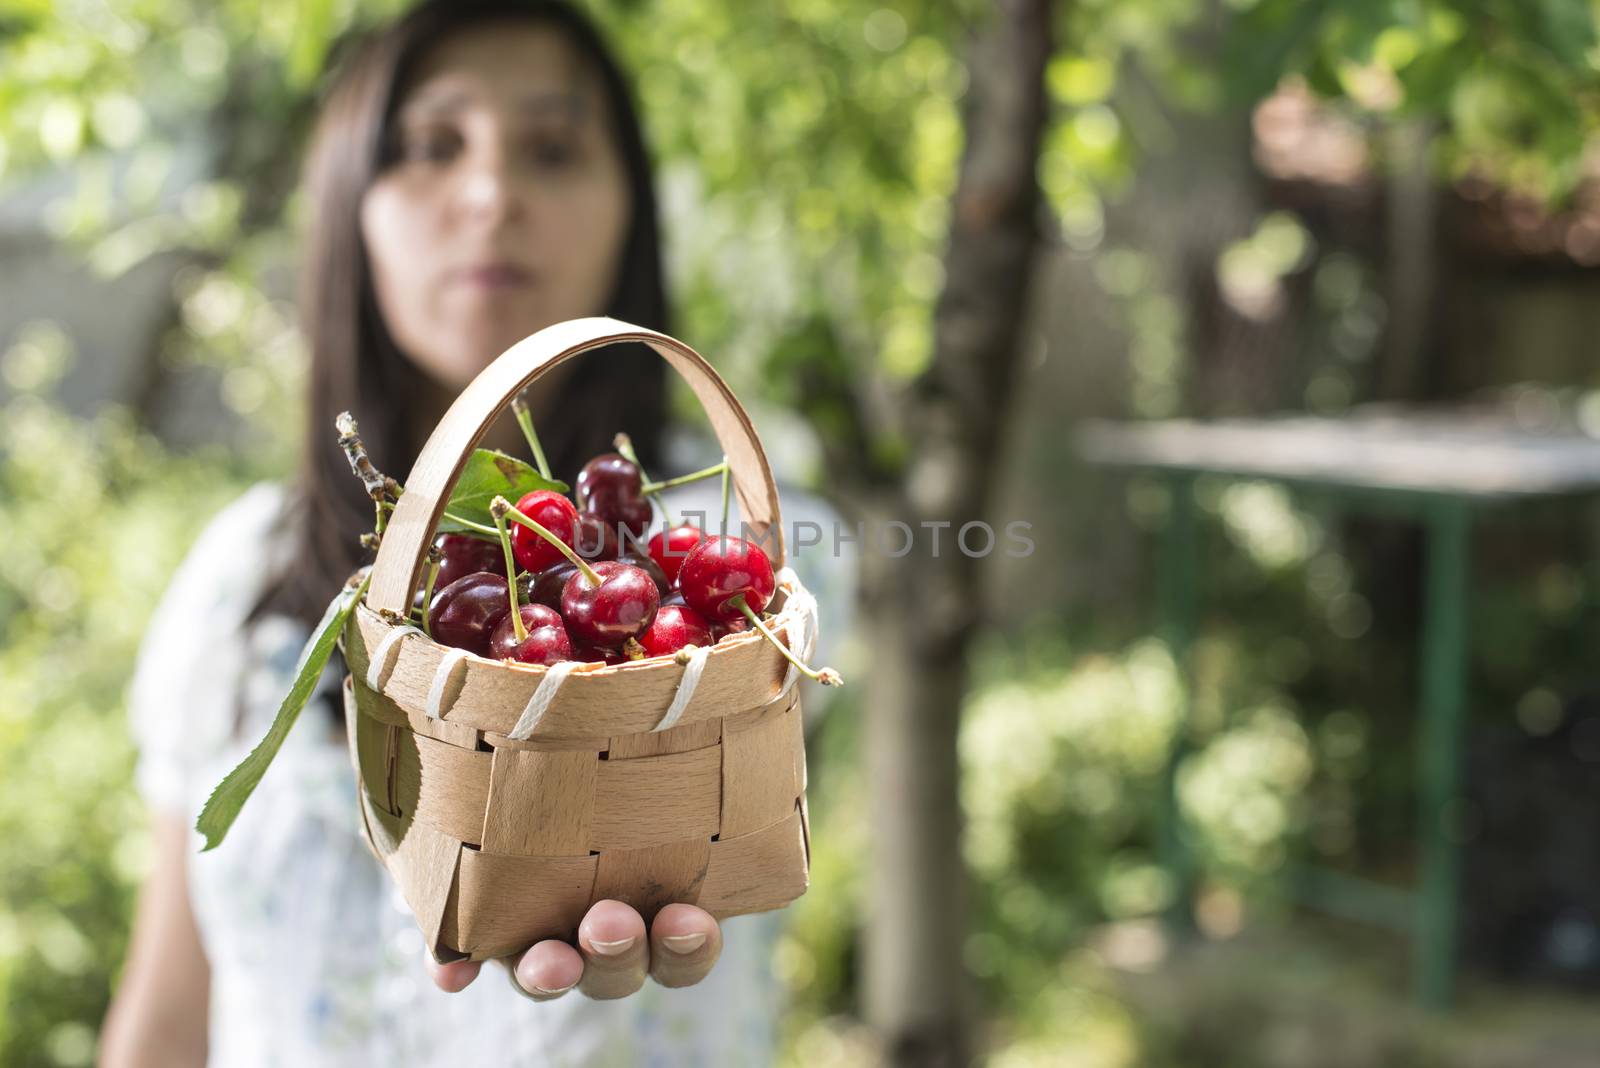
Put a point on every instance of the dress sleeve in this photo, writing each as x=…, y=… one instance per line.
x=181, y=697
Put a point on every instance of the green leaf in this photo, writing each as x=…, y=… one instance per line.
x=223, y=806
x=490, y=474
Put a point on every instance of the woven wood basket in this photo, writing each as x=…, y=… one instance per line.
x=505, y=799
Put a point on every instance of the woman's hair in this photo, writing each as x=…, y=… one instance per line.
x=356, y=364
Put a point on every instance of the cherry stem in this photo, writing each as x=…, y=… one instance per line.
x=525, y=420
x=684, y=480
x=508, y=510
x=726, y=485
x=827, y=676
x=434, y=558
x=624, y=445
x=499, y=514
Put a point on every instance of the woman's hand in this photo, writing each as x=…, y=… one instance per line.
x=613, y=956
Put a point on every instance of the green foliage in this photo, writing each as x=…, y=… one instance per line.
x=489, y=474
x=96, y=515
x=1513, y=83
x=223, y=806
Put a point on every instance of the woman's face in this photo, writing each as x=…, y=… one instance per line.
x=504, y=205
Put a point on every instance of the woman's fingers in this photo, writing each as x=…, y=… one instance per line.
x=547, y=970
x=615, y=953
x=685, y=942
x=455, y=976
x=613, y=956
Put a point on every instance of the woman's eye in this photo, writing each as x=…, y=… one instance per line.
x=428, y=146
x=552, y=152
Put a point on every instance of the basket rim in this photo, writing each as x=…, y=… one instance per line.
x=780, y=623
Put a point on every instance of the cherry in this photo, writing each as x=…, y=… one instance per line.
x=611, y=486
x=596, y=539
x=721, y=630
x=546, y=641
x=545, y=587
x=590, y=654
x=722, y=568
x=674, y=627
x=670, y=548
x=649, y=567
x=556, y=514
x=462, y=554
x=466, y=612
x=726, y=578
x=621, y=606
x=672, y=596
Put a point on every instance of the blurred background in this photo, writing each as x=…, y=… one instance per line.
x=1242, y=207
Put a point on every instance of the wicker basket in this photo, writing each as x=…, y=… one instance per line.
x=505, y=799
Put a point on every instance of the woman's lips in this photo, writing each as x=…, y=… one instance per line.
x=497, y=275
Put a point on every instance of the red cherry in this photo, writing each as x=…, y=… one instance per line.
x=545, y=587
x=611, y=486
x=670, y=548
x=463, y=554
x=675, y=626
x=546, y=641
x=466, y=612
x=721, y=629
x=609, y=474
x=553, y=512
x=596, y=539
x=722, y=568
x=672, y=596
x=590, y=654
x=621, y=607
x=648, y=566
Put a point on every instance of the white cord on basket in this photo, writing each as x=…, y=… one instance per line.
x=804, y=644
x=686, y=687
x=539, y=703
x=441, y=678
x=380, y=655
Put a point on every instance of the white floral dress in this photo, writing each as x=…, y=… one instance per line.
x=315, y=959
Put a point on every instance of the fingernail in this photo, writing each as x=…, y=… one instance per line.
x=611, y=949
x=684, y=943
x=527, y=983
x=561, y=990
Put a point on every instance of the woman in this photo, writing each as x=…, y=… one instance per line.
x=478, y=173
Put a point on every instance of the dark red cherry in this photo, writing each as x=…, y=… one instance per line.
x=675, y=626
x=546, y=641
x=596, y=539
x=590, y=654
x=722, y=628
x=649, y=567
x=670, y=548
x=463, y=554
x=466, y=612
x=672, y=596
x=609, y=475
x=722, y=568
x=611, y=486
x=621, y=607
x=553, y=512
x=545, y=587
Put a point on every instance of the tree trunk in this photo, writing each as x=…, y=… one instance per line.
x=922, y=608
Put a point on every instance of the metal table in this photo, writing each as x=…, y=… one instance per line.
x=1439, y=469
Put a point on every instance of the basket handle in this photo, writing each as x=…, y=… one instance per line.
x=405, y=541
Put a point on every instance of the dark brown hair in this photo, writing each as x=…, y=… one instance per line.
x=355, y=363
